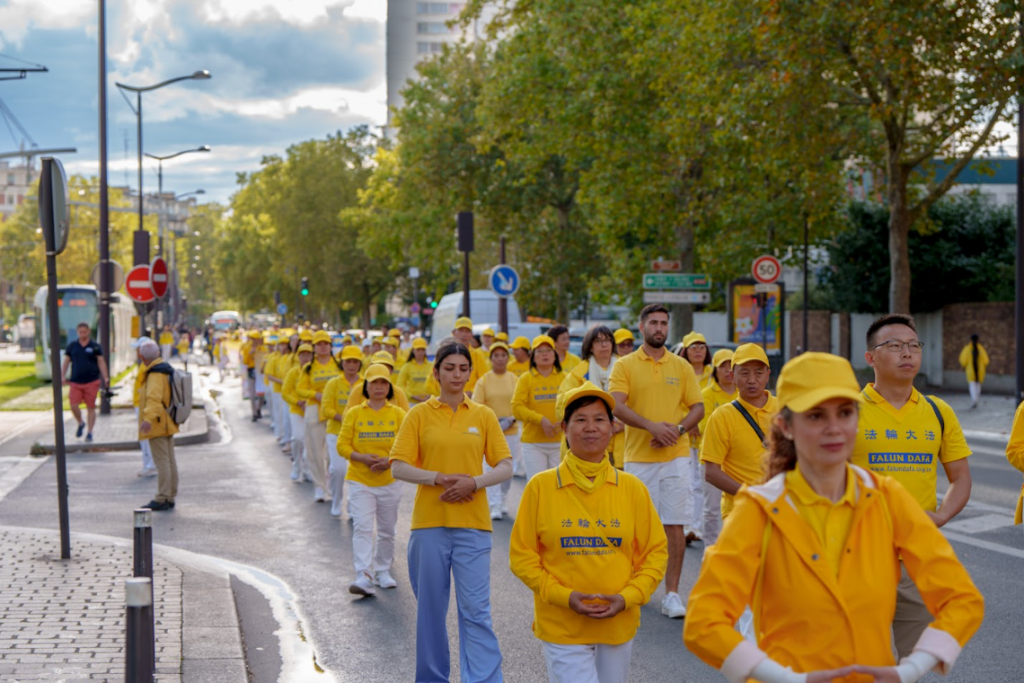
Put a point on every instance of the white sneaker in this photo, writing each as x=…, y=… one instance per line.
x=496, y=512
x=363, y=585
x=384, y=579
x=147, y=472
x=318, y=495
x=672, y=606
x=504, y=509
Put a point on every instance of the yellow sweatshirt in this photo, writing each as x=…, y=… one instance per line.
x=556, y=549
x=535, y=398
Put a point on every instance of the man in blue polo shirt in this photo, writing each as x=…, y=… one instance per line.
x=88, y=367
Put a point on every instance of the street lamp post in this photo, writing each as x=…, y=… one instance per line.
x=201, y=75
x=160, y=220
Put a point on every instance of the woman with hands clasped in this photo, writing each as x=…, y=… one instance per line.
x=815, y=551
x=366, y=437
x=442, y=446
x=589, y=544
x=533, y=404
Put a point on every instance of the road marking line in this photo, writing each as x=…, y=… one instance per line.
x=19, y=473
x=987, y=545
x=26, y=425
x=983, y=523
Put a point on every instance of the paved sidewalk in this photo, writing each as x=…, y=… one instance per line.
x=990, y=421
x=119, y=431
x=63, y=621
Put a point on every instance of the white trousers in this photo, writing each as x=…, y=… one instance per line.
x=975, y=389
x=374, y=504
x=165, y=352
x=538, y=457
x=297, y=424
x=588, y=663
x=284, y=411
x=147, y=452
x=316, y=446
x=517, y=454
x=275, y=412
x=696, y=490
x=337, y=468
x=497, y=495
x=712, y=513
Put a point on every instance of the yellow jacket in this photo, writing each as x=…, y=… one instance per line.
x=288, y=393
x=1015, y=454
x=968, y=366
x=574, y=379
x=805, y=616
x=535, y=399
x=140, y=379
x=546, y=553
x=154, y=399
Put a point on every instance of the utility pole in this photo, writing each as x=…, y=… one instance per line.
x=105, y=274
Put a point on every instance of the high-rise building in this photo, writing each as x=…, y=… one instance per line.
x=417, y=30
x=15, y=182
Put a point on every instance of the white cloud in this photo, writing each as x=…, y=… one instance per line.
x=17, y=17
x=376, y=10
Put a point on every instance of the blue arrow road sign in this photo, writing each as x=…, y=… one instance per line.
x=503, y=280
x=282, y=309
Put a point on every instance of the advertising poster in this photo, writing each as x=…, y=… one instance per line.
x=746, y=322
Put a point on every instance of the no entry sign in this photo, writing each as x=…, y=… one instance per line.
x=158, y=277
x=137, y=284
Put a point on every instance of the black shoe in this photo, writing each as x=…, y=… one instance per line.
x=170, y=504
x=254, y=418
x=158, y=507
x=81, y=430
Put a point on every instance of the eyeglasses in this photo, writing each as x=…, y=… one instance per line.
x=896, y=346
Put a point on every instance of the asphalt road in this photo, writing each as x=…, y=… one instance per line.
x=236, y=502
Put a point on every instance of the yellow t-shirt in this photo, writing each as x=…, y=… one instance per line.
x=714, y=398
x=909, y=443
x=356, y=398
x=535, y=398
x=291, y=381
x=434, y=438
x=571, y=361
x=517, y=368
x=166, y=338
x=248, y=355
x=731, y=442
x=831, y=522
x=554, y=550
x=314, y=378
x=414, y=377
x=371, y=432
x=335, y=400
x=495, y=391
x=659, y=390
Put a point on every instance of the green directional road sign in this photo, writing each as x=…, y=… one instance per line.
x=693, y=281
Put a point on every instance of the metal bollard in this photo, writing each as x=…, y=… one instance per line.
x=139, y=645
x=143, y=568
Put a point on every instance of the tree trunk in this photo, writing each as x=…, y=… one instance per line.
x=899, y=235
x=366, y=306
x=681, y=320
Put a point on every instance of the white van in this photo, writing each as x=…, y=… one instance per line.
x=483, y=305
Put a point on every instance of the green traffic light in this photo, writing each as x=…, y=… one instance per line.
x=305, y=292
x=433, y=304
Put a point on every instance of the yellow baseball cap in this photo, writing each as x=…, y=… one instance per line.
x=394, y=332
x=501, y=336
x=255, y=334
x=721, y=356
x=497, y=345
x=419, y=343
x=305, y=348
x=347, y=338
x=622, y=334
x=693, y=338
x=521, y=343
x=813, y=377
x=748, y=353
x=383, y=357
x=464, y=323
x=390, y=341
x=306, y=336
x=584, y=390
x=488, y=332
x=542, y=339
x=321, y=336
x=376, y=371
x=351, y=353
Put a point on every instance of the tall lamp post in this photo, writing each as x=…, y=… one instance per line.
x=201, y=75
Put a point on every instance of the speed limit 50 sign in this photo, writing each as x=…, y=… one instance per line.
x=766, y=269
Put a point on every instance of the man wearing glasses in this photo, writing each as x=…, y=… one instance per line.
x=904, y=434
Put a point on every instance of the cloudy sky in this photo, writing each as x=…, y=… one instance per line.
x=283, y=71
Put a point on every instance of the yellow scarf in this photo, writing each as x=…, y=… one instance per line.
x=582, y=470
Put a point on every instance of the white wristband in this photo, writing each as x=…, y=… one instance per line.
x=913, y=667
x=770, y=671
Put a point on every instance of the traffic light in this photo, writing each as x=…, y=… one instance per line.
x=304, y=289
x=433, y=304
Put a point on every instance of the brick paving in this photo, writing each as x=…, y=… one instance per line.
x=63, y=621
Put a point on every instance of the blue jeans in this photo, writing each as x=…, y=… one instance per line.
x=434, y=556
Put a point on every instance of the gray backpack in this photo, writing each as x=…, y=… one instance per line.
x=181, y=392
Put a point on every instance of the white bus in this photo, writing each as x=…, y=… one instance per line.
x=77, y=304
x=483, y=305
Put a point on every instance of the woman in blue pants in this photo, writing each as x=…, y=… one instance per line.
x=441, y=446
